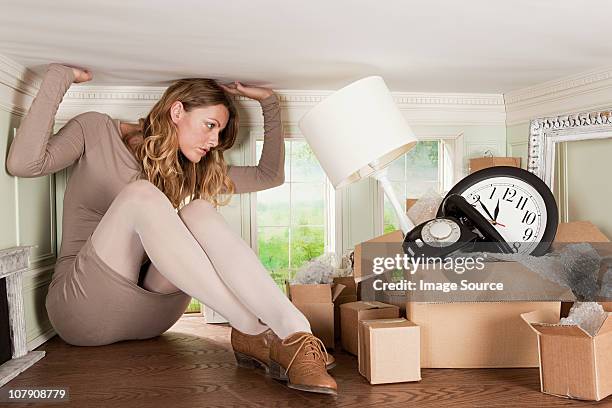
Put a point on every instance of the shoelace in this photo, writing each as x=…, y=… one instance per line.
x=310, y=344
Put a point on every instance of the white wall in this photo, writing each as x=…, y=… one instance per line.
x=584, y=193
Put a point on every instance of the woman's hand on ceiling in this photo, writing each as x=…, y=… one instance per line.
x=81, y=75
x=253, y=92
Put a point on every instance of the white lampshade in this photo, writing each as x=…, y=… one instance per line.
x=357, y=131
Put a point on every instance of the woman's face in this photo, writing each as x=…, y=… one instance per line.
x=199, y=129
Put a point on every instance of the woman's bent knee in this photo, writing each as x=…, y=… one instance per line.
x=141, y=194
x=140, y=188
x=196, y=210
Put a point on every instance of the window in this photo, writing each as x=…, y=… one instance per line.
x=427, y=166
x=292, y=220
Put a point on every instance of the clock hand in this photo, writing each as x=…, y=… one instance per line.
x=485, y=208
x=496, y=211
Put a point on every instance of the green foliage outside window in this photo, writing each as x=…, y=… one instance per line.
x=291, y=218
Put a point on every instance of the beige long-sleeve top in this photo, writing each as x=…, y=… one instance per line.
x=103, y=164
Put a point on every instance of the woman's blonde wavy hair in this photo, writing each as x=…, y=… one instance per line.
x=163, y=163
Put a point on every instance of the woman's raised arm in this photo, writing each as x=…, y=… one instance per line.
x=34, y=152
x=270, y=171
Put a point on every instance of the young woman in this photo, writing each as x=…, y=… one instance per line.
x=132, y=255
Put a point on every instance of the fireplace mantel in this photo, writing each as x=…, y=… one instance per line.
x=13, y=263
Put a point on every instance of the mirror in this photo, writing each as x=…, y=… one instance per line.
x=573, y=155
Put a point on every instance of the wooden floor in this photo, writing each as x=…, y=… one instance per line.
x=192, y=365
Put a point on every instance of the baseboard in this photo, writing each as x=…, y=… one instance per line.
x=41, y=339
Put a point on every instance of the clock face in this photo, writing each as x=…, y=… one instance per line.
x=516, y=202
x=514, y=207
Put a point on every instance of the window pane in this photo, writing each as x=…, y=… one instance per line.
x=390, y=219
x=397, y=169
x=307, y=204
x=304, y=164
x=273, y=244
x=422, y=162
x=306, y=243
x=416, y=190
x=421, y=175
x=273, y=206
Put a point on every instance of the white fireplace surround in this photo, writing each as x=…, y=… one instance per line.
x=14, y=262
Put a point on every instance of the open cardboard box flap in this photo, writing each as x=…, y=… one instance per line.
x=544, y=322
x=551, y=326
x=314, y=293
x=388, y=323
x=367, y=305
x=337, y=289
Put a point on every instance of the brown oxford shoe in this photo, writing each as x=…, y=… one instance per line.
x=300, y=359
x=253, y=351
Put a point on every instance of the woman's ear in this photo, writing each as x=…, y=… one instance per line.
x=176, y=111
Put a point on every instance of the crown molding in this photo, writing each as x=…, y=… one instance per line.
x=586, y=91
x=18, y=86
x=128, y=103
x=131, y=102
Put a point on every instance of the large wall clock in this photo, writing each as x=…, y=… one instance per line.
x=517, y=203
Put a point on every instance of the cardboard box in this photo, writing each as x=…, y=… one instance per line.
x=576, y=231
x=573, y=364
x=478, y=334
x=579, y=231
x=480, y=163
x=389, y=351
x=359, y=268
x=348, y=295
x=483, y=334
x=352, y=313
x=316, y=303
x=487, y=334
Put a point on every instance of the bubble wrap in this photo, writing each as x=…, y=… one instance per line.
x=425, y=208
x=576, y=267
x=324, y=269
x=313, y=272
x=587, y=315
x=606, y=281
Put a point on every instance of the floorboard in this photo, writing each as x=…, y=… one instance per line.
x=192, y=365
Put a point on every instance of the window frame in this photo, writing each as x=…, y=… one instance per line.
x=332, y=198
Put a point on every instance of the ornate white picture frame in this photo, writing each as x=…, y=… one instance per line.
x=545, y=133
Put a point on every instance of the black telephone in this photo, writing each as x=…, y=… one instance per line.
x=460, y=226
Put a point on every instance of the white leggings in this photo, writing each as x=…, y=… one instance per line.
x=196, y=251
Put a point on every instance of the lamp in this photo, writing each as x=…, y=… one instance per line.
x=357, y=132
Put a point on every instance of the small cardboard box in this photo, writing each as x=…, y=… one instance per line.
x=389, y=351
x=573, y=364
x=352, y=313
x=348, y=295
x=316, y=303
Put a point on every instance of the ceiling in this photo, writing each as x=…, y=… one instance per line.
x=483, y=46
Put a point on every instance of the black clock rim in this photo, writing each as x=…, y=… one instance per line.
x=552, y=221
